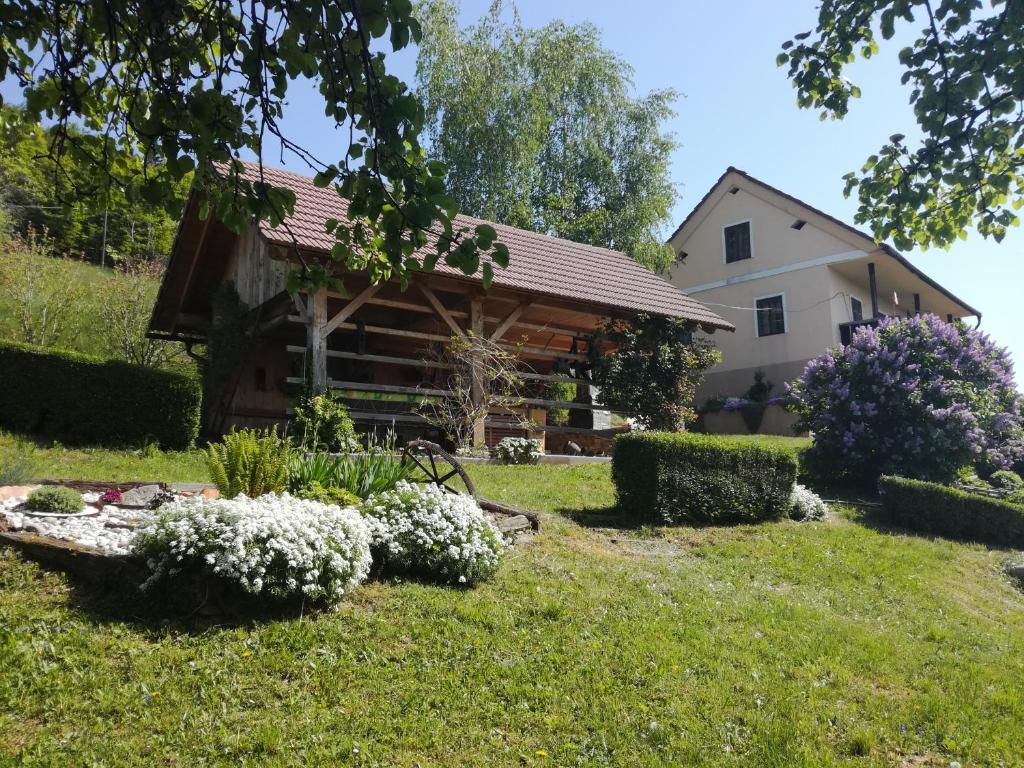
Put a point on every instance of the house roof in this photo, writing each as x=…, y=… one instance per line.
x=886, y=249
x=538, y=263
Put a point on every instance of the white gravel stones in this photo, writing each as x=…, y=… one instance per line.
x=110, y=529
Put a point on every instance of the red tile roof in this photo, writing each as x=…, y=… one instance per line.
x=537, y=263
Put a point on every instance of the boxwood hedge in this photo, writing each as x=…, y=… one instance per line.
x=83, y=400
x=672, y=478
x=952, y=513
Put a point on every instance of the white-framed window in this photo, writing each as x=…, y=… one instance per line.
x=856, y=309
x=770, y=317
x=736, y=242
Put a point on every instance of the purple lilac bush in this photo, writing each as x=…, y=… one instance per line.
x=915, y=397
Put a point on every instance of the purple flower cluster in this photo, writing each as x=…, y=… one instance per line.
x=917, y=397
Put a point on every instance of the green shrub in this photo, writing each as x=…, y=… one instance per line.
x=322, y=424
x=85, y=400
x=1005, y=479
x=249, y=461
x=672, y=478
x=950, y=512
x=561, y=391
x=56, y=499
x=376, y=470
x=314, y=491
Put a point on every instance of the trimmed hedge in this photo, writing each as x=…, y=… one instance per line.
x=672, y=478
x=83, y=400
x=949, y=512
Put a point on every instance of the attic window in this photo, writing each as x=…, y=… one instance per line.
x=798, y=224
x=733, y=190
x=682, y=256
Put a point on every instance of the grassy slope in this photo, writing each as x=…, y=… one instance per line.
x=779, y=644
x=90, y=339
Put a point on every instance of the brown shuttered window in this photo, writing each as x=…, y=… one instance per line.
x=737, y=242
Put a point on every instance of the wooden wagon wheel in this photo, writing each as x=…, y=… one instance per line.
x=415, y=449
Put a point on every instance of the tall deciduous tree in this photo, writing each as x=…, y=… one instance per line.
x=189, y=85
x=967, y=92
x=539, y=130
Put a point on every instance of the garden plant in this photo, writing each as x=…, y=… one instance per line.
x=916, y=397
x=56, y=499
x=250, y=462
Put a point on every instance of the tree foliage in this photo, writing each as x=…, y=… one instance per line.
x=190, y=85
x=539, y=131
x=69, y=202
x=966, y=91
x=655, y=371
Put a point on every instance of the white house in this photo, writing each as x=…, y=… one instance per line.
x=792, y=279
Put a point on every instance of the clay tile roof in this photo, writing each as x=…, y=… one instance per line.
x=537, y=263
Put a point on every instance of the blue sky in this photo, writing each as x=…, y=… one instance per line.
x=739, y=109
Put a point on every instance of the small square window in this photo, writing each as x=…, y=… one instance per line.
x=856, y=309
x=771, y=316
x=737, y=242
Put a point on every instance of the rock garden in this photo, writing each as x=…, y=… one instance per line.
x=278, y=525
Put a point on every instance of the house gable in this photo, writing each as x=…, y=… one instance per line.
x=783, y=234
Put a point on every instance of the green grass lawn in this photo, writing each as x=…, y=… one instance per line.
x=782, y=644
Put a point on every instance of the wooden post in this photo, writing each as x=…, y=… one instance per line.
x=873, y=288
x=316, y=338
x=917, y=303
x=476, y=325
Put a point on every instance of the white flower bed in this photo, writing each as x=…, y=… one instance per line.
x=278, y=546
x=805, y=504
x=424, y=530
x=110, y=528
x=517, y=450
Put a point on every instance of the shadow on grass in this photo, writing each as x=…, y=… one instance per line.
x=602, y=517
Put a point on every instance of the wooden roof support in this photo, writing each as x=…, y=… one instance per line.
x=440, y=308
x=191, y=271
x=349, y=309
x=509, y=320
x=316, y=338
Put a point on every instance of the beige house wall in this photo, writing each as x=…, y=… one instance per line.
x=774, y=241
x=816, y=268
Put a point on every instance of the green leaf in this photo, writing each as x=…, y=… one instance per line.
x=500, y=256
x=488, y=277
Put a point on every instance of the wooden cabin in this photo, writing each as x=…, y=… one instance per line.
x=377, y=345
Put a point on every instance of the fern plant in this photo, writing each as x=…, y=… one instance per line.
x=249, y=461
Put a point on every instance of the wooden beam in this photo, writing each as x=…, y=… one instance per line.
x=348, y=310
x=316, y=338
x=873, y=289
x=300, y=305
x=476, y=324
x=536, y=352
x=552, y=377
x=362, y=386
x=509, y=320
x=440, y=308
x=386, y=359
x=372, y=416
x=568, y=405
x=191, y=271
x=406, y=305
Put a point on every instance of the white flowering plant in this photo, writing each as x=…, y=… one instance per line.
x=517, y=450
x=805, y=504
x=274, y=546
x=423, y=530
